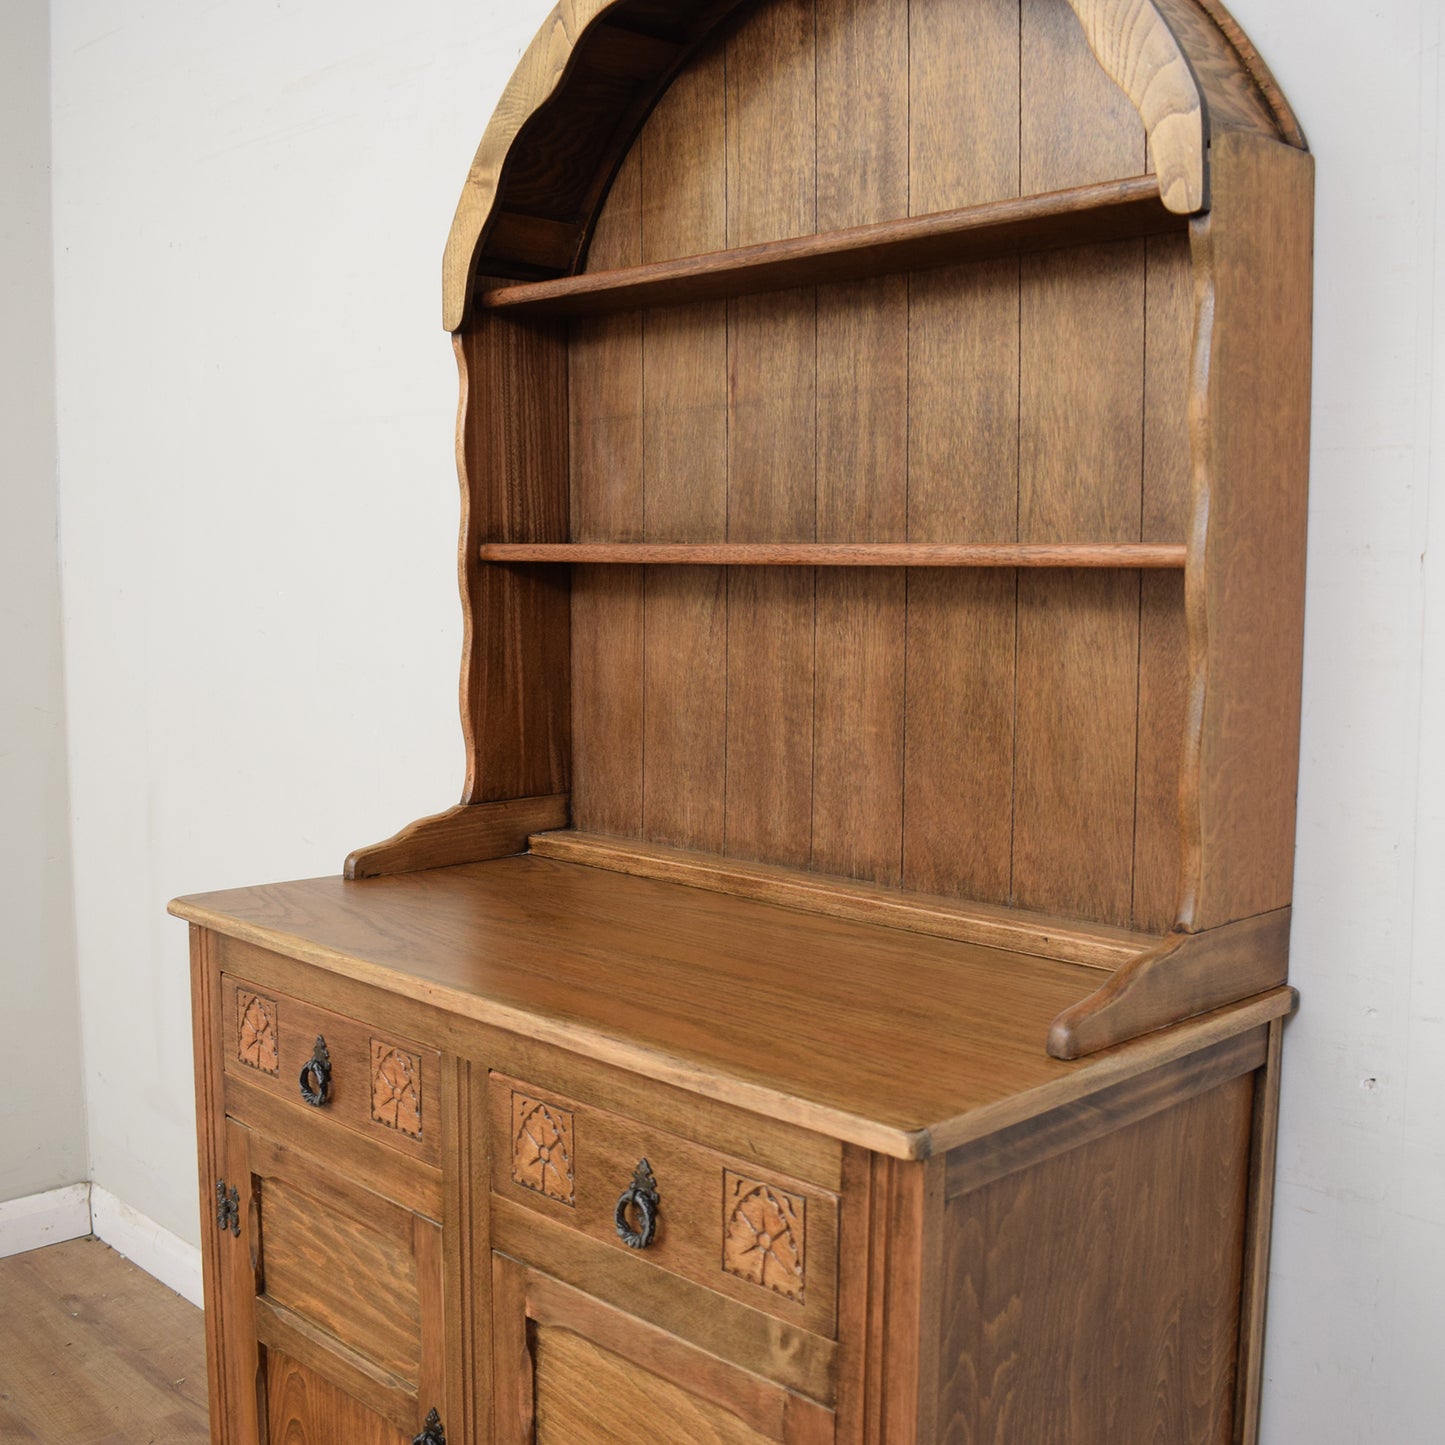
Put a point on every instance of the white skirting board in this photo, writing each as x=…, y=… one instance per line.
x=41, y=1219
x=160, y=1253
x=81, y=1209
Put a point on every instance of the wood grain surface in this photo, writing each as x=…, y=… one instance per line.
x=469, y=833
x=692, y=1221
x=1095, y=1296
x=305, y=1408
x=846, y=250
x=560, y=953
x=1015, y=929
x=843, y=554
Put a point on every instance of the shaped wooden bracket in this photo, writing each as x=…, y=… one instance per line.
x=1187, y=974
x=468, y=833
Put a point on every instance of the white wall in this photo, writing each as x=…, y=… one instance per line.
x=42, y=1113
x=257, y=485
x=1357, y=1310
x=258, y=514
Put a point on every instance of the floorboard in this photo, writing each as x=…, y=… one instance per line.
x=94, y=1351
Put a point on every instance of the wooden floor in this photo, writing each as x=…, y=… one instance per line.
x=94, y=1350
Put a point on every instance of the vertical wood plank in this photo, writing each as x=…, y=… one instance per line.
x=1076, y=125
x=771, y=439
x=1163, y=641
x=862, y=466
x=1081, y=420
x=684, y=167
x=516, y=702
x=605, y=412
x=211, y=1163
x=432, y=1384
x=962, y=458
x=246, y=1388
x=963, y=70
x=1249, y=1373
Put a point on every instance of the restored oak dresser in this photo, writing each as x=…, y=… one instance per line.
x=846, y=1005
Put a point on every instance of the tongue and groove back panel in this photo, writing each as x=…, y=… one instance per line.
x=999, y=736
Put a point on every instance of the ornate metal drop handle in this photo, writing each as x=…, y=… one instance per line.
x=431, y=1431
x=641, y=1195
x=316, y=1075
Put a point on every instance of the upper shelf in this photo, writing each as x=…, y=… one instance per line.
x=1106, y=212
x=847, y=554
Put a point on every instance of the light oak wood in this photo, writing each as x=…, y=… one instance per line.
x=1142, y=1228
x=1249, y=1374
x=559, y=953
x=469, y=833
x=580, y=1189
x=794, y=1358
x=843, y=554
x=1014, y=929
x=596, y=1370
x=1253, y=270
x=1188, y=974
x=1103, y=211
x=1137, y=42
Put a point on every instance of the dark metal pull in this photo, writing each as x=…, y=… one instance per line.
x=640, y=1195
x=431, y=1431
x=228, y=1208
x=316, y=1075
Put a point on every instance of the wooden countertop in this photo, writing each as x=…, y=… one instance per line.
x=900, y=1042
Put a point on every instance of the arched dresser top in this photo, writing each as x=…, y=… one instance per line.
x=596, y=68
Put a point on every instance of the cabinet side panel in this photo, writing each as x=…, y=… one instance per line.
x=513, y=451
x=1095, y=1297
x=1251, y=438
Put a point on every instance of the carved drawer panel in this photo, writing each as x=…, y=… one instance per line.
x=368, y=1078
x=752, y=1234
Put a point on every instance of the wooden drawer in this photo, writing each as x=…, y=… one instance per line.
x=382, y=1085
x=757, y=1236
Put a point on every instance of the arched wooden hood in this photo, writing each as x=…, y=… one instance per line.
x=597, y=67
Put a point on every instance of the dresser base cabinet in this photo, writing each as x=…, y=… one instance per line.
x=1082, y=1263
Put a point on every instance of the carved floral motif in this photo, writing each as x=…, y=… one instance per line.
x=256, y=1031
x=763, y=1234
x=542, y=1148
x=396, y=1088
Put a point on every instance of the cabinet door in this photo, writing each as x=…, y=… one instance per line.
x=333, y=1303
x=570, y=1370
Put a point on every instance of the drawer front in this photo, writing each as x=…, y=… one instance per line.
x=381, y=1085
x=757, y=1236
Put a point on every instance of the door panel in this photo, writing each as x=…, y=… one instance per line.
x=303, y=1408
x=570, y=1370
x=585, y=1395
x=335, y=1303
